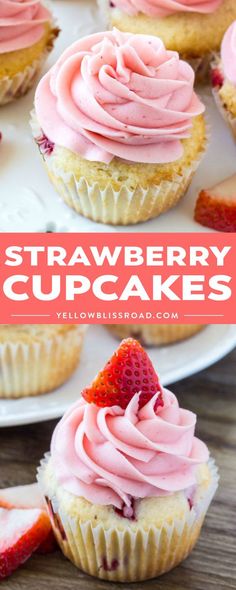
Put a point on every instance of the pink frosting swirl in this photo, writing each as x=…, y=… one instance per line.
x=117, y=94
x=161, y=8
x=109, y=455
x=21, y=23
x=228, y=54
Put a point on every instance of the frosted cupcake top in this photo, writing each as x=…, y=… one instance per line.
x=162, y=8
x=21, y=23
x=228, y=54
x=116, y=94
x=143, y=446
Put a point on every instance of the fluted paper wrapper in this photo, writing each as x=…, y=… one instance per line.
x=11, y=88
x=37, y=367
x=155, y=335
x=127, y=556
x=123, y=207
x=22, y=82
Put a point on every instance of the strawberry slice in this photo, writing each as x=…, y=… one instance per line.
x=28, y=496
x=129, y=371
x=22, y=532
x=216, y=206
x=49, y=545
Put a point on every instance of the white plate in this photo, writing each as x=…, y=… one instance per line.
x=172, y=363
x=30, y=203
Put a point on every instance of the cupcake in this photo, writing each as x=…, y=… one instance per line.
x=155, y=334
x=223, y=76
x=194, y=28
x=27, y=34
x=119, y=127
x=35, y=359
x=127, y=484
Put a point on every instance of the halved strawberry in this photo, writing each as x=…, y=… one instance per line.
x=129, y=371
x=216, y=206
x=49, y=545
x=21, y=533
x=28, y=496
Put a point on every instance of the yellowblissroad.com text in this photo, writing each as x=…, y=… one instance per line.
x=90, y=315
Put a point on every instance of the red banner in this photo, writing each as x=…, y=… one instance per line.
x=118, y=278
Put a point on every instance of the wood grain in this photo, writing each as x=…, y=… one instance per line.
x=212, y=565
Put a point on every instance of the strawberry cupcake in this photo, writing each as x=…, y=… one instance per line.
x=127, y=483
x=27, y=34
x=37, y=358
x=194, y=28
x=223, y=76
x=119, y=126
x=155, y=334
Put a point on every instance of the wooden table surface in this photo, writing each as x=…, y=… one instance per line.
x=212, y=565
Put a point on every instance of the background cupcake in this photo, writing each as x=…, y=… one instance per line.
x=155, y=335
x=127, y=484
x=223, y=75
x=119, y=126
x=35, y=359
x=27, y=33
x=194, y=28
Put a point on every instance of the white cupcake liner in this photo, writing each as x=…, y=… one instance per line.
x=127, y=555
x=155, y=335
x=106, y=205
x=227, y=116
x=37, y=367
x=22, y=82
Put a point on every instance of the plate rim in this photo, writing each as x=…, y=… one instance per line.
x=206, y=360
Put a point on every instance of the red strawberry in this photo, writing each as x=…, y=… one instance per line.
x=22, y=532
x=49, y=545
x=216, y=207
x=129, y=371
x=217, y=78
x=28, y=496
